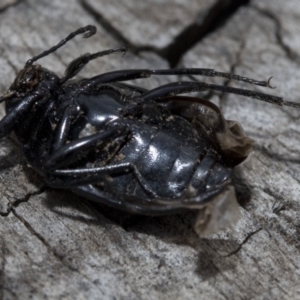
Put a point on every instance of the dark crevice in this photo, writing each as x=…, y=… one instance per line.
x=223, y=96
x=243, y=243
x=107, y=25
x=26, y=198
x=290, y=53
x=5, y=213
x=218, y=15
x=114, y=32
x=4, y=7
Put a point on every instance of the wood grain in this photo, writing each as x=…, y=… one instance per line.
x=54, y=245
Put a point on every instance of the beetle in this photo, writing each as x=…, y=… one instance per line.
x=151, y=152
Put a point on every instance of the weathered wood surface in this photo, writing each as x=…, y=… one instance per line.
x=54, y=245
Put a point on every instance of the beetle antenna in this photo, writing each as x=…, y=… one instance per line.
x=89, y=30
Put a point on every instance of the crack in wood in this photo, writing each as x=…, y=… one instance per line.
x=216, y=17
x=243, y=243
x=290, y=53
x=223, y=97
x=26, y=198
x=220, y=277
x=107, y=25
x=11, y=3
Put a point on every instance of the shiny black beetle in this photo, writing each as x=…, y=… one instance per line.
x=149, y=152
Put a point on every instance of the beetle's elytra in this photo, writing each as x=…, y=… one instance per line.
x=145, y=151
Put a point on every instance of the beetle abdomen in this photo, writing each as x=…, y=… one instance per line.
x=169, y=160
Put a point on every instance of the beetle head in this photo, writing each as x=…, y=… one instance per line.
x=27, y=79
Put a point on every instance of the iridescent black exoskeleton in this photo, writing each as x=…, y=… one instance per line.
x=149, y=152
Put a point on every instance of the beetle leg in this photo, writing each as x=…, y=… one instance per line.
x=77, y=64
x=14, y=116
x=172, y=89
x=96, y=174
x=182, y=87
x=115, y=76
x=127, y=75
x=63, y=128
x=155, y=207
x=179, y=87
x=72, y=151
x=210, y=73
x=132, y=88
x=193, y=108
x=228, y=135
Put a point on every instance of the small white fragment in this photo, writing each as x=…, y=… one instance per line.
x=221, y=213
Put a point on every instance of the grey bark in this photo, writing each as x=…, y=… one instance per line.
x=54, y=245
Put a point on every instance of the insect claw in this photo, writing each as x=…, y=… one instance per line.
x=269, y=84
x=91, y=30
x=125, y=50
